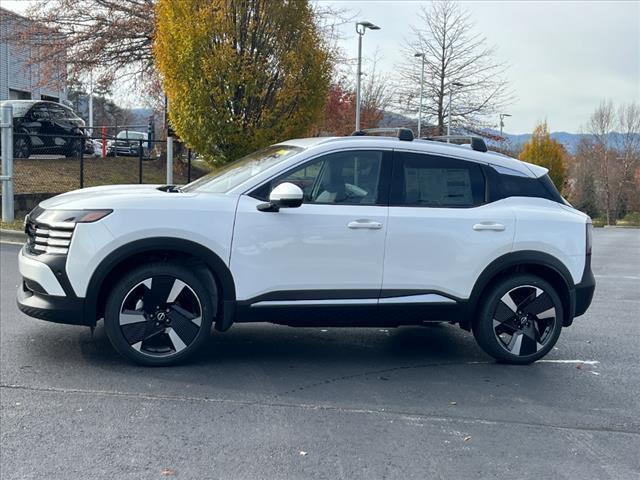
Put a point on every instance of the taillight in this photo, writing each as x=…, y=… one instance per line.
x=589, y=238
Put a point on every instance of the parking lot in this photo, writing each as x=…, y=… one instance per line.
x=267, y=401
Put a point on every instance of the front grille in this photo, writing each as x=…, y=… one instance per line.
x=48, y=238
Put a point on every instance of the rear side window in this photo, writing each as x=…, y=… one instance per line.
x=421, y=180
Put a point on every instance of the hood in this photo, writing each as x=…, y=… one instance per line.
x=106, y=197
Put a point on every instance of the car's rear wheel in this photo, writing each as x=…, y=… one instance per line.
x=520, y=319
x=158, y=314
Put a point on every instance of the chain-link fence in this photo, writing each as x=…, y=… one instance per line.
x=59, y=163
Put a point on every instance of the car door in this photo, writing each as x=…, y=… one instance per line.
x=442, y=231
x=40, y=127
x=328, y=251
x=61, y=128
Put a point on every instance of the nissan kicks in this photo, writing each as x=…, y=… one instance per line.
x=354, y=231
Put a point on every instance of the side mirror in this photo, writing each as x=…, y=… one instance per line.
x=285, y=195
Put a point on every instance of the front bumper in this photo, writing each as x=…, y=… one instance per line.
x=51, y=308
x=47, y=295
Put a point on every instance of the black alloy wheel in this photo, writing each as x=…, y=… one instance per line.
x=158, y=314
x=520, y=320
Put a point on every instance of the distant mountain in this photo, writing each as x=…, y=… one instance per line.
x=570, y=141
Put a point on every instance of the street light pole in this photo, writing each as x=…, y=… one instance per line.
x=502, y=115
x=421, y=56
x=91, y=102
x=361, y=28
x=451, y=85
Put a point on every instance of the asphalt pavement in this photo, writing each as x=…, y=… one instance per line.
x=265, y=401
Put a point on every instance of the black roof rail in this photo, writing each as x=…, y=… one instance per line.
x=402, y=133
x=478, y=144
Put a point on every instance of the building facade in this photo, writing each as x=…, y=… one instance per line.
x=21, y=78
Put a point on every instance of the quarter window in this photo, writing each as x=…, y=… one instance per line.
x=430, y=181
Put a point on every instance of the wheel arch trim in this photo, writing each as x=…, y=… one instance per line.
x=211, y=259
x=524, y=258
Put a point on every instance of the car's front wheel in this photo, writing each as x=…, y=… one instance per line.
x=21, y=146
x=158, y=314
x=520, y=319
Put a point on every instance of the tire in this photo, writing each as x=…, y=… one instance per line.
x=172, y=325
x=520, y=319
x=74, y=148
x=21, y=146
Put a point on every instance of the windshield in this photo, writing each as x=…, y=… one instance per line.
x=134, y=135
x=232, y=175
x=19, y=108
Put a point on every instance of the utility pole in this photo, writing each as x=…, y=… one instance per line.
x=91, y=103
x=502, y=115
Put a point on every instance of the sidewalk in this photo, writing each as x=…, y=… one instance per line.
x=12, y=236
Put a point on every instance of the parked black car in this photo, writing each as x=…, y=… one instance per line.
x=127, y=143
x=47, y=128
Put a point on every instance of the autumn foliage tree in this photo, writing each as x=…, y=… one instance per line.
x=240, y=75
x=339, y=113
x=542, y=150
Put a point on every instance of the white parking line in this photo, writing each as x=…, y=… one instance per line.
x=625, y=277
x=583, y=362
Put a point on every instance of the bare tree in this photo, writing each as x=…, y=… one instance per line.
x=600, y=127
x=627, y=144
x=111, y=38
x=611, y=153
x=453, y=54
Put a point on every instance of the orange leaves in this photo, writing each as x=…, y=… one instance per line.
x=542, y=150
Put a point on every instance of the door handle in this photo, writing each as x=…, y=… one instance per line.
x=496, y=227
x=370, y=224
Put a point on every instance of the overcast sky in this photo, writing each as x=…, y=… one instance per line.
x=565, y=57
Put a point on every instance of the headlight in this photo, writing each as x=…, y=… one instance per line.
x=68, y=218
x=51, y=231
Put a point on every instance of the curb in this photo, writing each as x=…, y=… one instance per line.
x=12, y=236
x=621, y=226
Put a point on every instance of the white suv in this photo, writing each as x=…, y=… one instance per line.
x=352, y=231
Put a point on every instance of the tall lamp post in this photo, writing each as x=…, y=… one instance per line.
x=91, y=102
x=502, y=115
x=361, y=28
x=421, y=56
x=451, y=85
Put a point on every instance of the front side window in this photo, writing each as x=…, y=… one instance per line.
x=429, y=181
x=57, y=113
x=40, y=112
x=348, y=178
